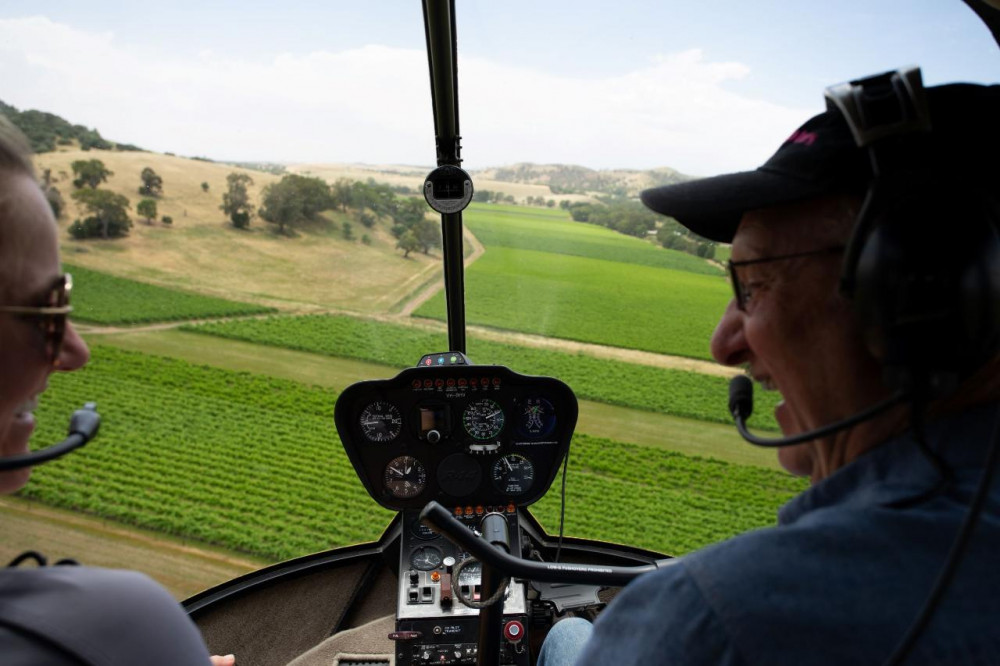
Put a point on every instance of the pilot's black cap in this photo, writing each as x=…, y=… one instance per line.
x=821, y=157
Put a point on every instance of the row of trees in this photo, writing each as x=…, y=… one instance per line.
x=108, y=212
x=296, y=200
x=630, y=217
x=626, y=216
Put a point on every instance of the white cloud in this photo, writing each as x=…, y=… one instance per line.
x=372, y=104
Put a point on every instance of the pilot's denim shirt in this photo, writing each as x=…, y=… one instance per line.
x=840, y=579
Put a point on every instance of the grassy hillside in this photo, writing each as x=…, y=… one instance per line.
x=102, y=298
x=554, y=231
x=202, y=252
x=592, y=300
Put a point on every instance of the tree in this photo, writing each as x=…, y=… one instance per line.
x=147, y=208
x=236, y=200
x=348, y=229
x=89, y=173
x=408, y=243
x=342, y=193
x=152, y=185
x=428, y=234
x=52, y=194
x=282, y=205
x=204, y=187
x=109, y=214
x=295, y=199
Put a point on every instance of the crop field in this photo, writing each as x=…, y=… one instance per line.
x=523, y=228
x=674, y=392
x=254, y=464
x=591, y=300
x=106, y=299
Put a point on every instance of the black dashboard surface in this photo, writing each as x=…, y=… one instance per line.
x=463, y=435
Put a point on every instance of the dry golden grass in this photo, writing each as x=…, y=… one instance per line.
x=201, y=251
x=413, y=177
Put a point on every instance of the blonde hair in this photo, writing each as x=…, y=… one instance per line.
x=15, y=150
x=15, y=161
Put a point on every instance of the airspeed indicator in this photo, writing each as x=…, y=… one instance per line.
x=381, y=422
x=513, y=474
x=483, y=419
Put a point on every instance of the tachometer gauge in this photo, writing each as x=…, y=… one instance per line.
x=381, y=422
x=425, y=558
x=405, y=477
x=513, y=474
x=483, y=419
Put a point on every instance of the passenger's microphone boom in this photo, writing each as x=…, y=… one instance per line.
x=741, y=406
x=83, y=425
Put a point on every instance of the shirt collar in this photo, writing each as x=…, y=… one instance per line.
x=896, y=470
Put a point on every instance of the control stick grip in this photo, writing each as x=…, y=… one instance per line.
x=495, y=531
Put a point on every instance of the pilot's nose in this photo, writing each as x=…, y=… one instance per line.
x=729, y=343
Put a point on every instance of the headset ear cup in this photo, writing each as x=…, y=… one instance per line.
x=927, y=291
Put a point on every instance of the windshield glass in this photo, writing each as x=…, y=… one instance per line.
x=238, y=194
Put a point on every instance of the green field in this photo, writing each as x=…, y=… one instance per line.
x=254, y=464
x=592, y=300
x=106, y=299
x=674, y=392
x=554, y=231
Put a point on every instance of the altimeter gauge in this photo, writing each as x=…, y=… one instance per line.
x=381, y=422
x=483, y=419
x=405, y=477
x=513, y=474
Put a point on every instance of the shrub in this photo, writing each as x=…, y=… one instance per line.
x=241, y=220
x=166, y=219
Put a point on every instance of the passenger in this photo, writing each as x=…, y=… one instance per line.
x=62, y=614
x=853, y=559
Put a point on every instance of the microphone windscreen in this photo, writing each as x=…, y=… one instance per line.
x=741, y=397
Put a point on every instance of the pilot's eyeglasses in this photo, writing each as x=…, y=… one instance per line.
x=744, y=292
x=50, y=316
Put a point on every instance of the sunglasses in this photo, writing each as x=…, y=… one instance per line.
x=743, y=293
x=50, y=317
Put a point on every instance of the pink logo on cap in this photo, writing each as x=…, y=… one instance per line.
x=803, y=137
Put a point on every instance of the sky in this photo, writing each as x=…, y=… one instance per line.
x=701, y=87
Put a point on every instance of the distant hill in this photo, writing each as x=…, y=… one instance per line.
x=569, y=179
x=47, y=131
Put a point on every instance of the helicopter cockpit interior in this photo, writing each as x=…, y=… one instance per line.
x=460, y=449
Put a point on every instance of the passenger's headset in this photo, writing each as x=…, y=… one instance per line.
x=922, y=269
x=923, y=264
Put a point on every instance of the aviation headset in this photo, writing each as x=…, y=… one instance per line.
x=922, y=266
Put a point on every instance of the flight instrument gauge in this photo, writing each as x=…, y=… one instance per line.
x=381, y=422
x=513, y=474
x=483, y=419
x=425, y=558
x=405, y=477
x=535, y=417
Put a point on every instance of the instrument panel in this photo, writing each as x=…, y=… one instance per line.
x=463, y=435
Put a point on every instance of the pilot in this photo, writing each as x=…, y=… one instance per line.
x=853, y=559
x=61, y=614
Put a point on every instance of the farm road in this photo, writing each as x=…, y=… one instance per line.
x=422, y=294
